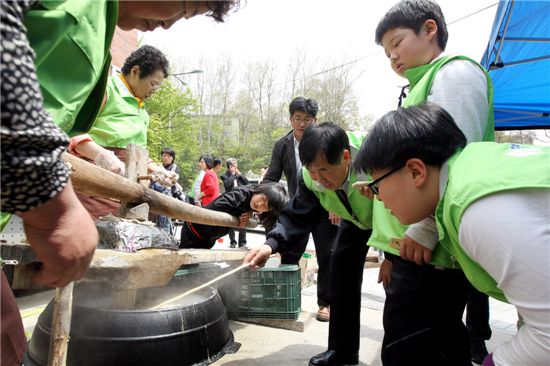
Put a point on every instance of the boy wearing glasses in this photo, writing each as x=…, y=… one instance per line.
x=489, y=201
x=285, y=159
x=326, y=184
x=426, y=291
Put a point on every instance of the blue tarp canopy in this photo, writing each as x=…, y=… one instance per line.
x=518, y=60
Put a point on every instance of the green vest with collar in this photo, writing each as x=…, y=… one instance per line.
x=386, y=226
x=361, y=205
x=121, y=121
x=72, y=38
x=480, y=170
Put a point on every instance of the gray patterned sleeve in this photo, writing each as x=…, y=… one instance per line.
x=32, y=171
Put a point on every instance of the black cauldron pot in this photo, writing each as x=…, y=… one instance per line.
x=192, y=332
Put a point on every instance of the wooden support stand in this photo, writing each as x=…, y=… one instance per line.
x=136, y=164
x=61, y=325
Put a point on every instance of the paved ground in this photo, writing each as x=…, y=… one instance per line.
x=261, y=345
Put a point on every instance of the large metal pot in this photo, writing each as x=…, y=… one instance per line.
x=192, y=333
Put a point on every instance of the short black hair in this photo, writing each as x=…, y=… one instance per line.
x=301, y=104
x=413, y=14
x=217, y=161
x=219, y=8
x=326, y=138
x=169, y=151
x=149, y=59
x=229, y=162
x=426, y=132
x=277, y=198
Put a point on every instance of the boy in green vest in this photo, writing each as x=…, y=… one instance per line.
x=490, y=202
x=425, y=296
x=55, y=64
x=326, y=184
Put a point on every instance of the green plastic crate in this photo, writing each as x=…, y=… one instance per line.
x=269, y=293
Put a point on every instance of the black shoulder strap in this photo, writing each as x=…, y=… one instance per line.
x=344, y=199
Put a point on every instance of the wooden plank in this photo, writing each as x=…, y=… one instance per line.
x=150, y=267
x=126, y=271
x=298, y=325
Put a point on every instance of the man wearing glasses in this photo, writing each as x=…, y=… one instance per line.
x=326, y=184
x=285, y=159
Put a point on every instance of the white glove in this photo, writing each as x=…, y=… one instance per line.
x=108, y=160
x=165, y=177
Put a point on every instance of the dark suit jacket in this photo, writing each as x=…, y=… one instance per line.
x=283, y=161
x=229, y=180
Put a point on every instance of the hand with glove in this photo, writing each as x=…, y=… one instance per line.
x=164, y=177
x=108, y=160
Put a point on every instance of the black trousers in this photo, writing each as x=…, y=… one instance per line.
x=477, y=315
x=324, y=236
x=242, y=236
x=348, y=262
x=423, y=316
x=188, y=239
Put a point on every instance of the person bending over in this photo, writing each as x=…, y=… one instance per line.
x=268, y=200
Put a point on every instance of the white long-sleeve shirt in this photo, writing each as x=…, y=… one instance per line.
x=508, y=234
x=460, y=87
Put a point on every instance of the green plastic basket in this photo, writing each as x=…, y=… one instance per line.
x=269, y=293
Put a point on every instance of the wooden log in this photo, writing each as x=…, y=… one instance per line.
x=95, y=181
x=61, y=325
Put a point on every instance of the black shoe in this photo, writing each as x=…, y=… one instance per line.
x=331, y=358
x=233, y=244
x=242, y=244
x=478, y=351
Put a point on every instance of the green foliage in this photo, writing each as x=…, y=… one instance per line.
x=241, y=119
x=173, y=124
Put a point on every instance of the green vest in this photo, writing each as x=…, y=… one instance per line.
x=4, y=219
x=121, y=121
x=71, y=39
x=480, y=170
x=386, y=226
x=361, y=205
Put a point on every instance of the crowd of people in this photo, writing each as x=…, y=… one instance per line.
x=423, y=187
x=427, y=186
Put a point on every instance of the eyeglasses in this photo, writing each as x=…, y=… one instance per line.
x=299, y=120
x=155, y=84
x=373, y=186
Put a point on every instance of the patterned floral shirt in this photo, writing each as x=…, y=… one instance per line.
x=32, y=171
